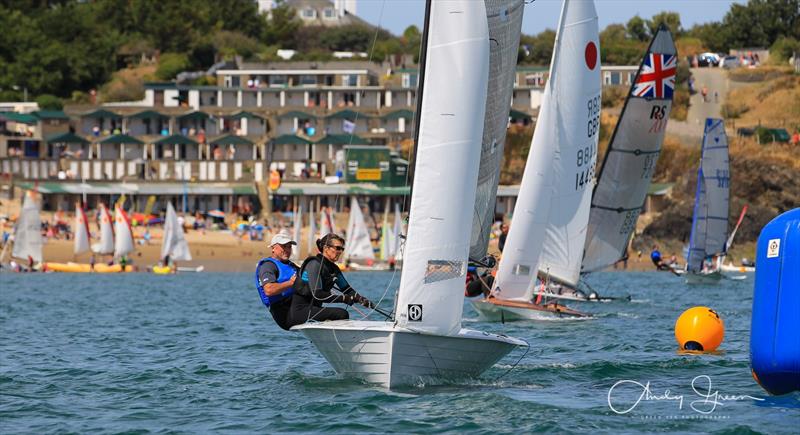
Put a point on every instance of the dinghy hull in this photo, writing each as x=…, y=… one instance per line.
x=498, y=310
x=704, y=278
x=391, y=356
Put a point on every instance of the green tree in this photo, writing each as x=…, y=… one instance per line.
x=637, y=29
x=49, y=102
x=170, y=64
x=760, y=23
x=671, y=19
x=783, y=49
x=540, y=47
x=281, y=28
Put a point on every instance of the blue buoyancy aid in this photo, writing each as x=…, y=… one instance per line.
x=285, y=273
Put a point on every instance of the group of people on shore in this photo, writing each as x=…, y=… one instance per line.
x=297, y=294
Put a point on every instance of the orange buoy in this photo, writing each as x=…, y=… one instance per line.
x=699, y=329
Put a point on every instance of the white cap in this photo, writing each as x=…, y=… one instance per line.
x=281, y=239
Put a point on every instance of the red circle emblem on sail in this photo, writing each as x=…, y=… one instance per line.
x=591, y=55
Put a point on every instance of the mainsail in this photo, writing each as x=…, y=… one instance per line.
x=297, y=226
x=28, y=231
x=431, y=293
x=81, y=230
x=174, y=243
x=710, y=221
x=123, y=243
x=312, y=230
x=632, y=154
x=359, y=245
x=548, y=229
x=505, y=23
x=106, y=245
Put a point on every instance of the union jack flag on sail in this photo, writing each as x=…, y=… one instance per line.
x=657, y=77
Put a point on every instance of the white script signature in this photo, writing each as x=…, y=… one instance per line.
x=701, y=385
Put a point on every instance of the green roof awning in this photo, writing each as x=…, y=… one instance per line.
x=290, y=139
x=148, y=114
x=402, y=113
x=342, y=139
x=231, y=140
x=347, y=114
x=193, y=116
x=101, y=113
x=119, y=139
x=22, y=118
x=175, y=139
x=67, y=137
x=245, y=114
x=50, y=114
x=297, y=114
x=516, y=114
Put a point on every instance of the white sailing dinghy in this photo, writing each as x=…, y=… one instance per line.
x=312, y=231
x=106, y=245
x=707, y=243
x=28, y=231
x=548, y=229
x=425, y=341
x=358, y=253
x=629, y=164
x=123, y=243
x=297, y=226
x=81, y=235
x=174, y=242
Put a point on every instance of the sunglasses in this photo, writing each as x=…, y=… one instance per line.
x=338, y=248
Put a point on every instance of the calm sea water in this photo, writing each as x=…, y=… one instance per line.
x=197, y=353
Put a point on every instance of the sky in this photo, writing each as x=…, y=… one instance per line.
x=543, y=14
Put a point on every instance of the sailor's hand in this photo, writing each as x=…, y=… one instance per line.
x=363, y=301
x=348, y=299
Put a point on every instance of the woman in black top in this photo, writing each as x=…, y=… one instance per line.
x=318, y=276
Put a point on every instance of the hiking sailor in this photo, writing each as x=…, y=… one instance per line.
x=275, y=277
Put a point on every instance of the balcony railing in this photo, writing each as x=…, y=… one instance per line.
x=134, y=170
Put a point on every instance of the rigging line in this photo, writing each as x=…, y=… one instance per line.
x=527, y=349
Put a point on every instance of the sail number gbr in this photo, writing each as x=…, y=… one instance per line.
x=586, y=157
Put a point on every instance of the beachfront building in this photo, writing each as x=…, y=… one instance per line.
x=216, y=147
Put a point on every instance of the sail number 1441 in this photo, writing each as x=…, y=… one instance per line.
x=587, y=156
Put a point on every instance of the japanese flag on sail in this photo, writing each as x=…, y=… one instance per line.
x=657, y=77
x=348, y=126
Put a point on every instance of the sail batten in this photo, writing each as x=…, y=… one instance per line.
x=631, y=157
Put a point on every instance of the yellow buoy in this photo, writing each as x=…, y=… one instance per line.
x=699, y=329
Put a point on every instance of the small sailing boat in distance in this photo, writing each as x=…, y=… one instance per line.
x=28, y=233
x=424, y=340
x=358, y=252
x=708, y=240
x=173, y=245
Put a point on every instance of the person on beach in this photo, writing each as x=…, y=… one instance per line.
x=275, y=277
x=319, y=275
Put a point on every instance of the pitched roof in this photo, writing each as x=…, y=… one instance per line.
x=101, y=113
x=347, y=114
x=245, y=114
x=50, y=114
x=175, y=139
x=343, y=139
x=516, y=114
x=402, y=113
x=197, y=115
x=119, y=139
x=297, y=114
x=147, y=114
x=230, y=139
x=22, y=118
x=67, y=137
x=290, y=139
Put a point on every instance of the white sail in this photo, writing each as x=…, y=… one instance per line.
x=28, y=231
x=548, y=229
x=81, y=230
x=106, y=245
x=174, y=243
x=632, y=155
x=297, y=225
x=312, y=231
x=326, y=225
x=386, y=238
x=431, y=291
x=123, y=243
x=359, y=245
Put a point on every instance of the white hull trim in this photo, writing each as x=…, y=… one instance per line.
x=392, y=356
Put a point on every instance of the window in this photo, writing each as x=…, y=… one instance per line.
x=227, y=82
x=308, y=13
x=308, y=80
x=536, y=79
x=277, y=81
x=409, y=80
x=349, y=80
x=607, y=78
x=329, y=13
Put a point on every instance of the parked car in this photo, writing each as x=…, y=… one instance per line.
x=728, y=62
x=708, y=59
